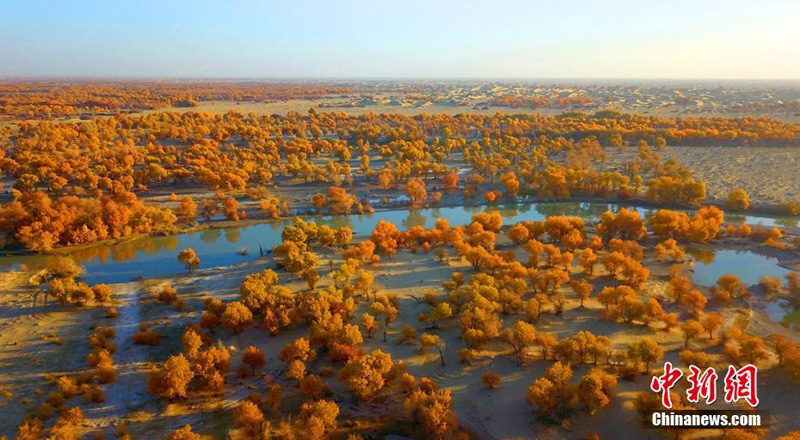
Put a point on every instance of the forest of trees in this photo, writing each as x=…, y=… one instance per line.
x=43, y=100
x=497, y=300
x=318, y=298
x=75, y=183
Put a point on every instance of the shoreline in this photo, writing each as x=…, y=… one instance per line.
x=197, y=226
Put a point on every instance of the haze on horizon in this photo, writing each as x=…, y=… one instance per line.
x=416, y=39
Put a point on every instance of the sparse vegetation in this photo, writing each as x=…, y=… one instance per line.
x=328, y=320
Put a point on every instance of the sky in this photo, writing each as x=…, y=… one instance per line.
x=699, y=39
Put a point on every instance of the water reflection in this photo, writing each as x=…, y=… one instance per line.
x=749, y=266
x=705, y=256
x=509, y=211
x=587, y=210
x=209, y=235
x=155, y=256
x=414, y=218
x=786, y=222
x=781, y=311
x=232, y=235
x=792, y=318
x=343, y=220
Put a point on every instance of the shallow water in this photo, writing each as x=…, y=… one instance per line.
x=749, y=266
x=781, y=311
x=156, y=256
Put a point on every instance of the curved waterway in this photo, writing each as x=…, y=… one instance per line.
x=155, y=256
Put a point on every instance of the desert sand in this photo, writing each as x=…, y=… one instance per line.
x=52, y=339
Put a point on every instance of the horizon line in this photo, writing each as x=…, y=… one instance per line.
x=21, y=78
